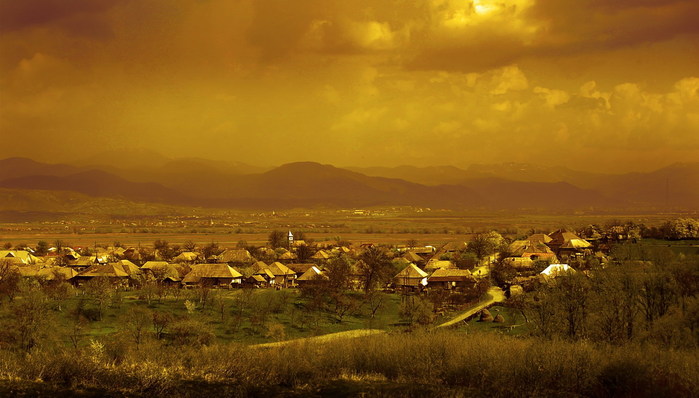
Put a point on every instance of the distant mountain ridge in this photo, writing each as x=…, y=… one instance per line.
x=197, y=182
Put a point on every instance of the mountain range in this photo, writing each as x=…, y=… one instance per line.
x=205, y=183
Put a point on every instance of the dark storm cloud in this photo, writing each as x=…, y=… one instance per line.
x=79, y=17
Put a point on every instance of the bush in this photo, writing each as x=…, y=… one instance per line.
x=191, y=332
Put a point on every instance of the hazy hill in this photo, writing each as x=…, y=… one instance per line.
x=196, y=182
x=313, y=184
x=670, y=187
x=22, y=167
x=101, y=184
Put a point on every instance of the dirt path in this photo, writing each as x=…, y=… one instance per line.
x=348, y=334
x=495, y=295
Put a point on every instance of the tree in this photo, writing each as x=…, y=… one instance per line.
x=375, y=266
x=189, y=246
x=10, y=279
x=277, y=239
x=338, y=272
x=303, y=253
x=211, y=249
x=485, y=244
x=42, y=248
x=136, y=322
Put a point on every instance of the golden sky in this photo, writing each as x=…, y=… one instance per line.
x=589, y=84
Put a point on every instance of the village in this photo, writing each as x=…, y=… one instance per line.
x=455, y=266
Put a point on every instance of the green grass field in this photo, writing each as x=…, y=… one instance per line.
x=268, y=316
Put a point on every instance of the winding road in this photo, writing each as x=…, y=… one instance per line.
x=494, y=295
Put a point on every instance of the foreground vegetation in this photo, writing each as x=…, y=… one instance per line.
x=420, y=363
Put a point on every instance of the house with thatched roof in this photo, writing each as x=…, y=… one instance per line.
x=454, y=246
x=439, y=264
x=112, y=272
x=186, y=257
x=300, y=268
x=556, y=270
x=413, y=257
x=130, y=268
x=56, y=273
x=283, y=275
x=321, y=256
x=212, y=275
x=523, y=253
x=565, y=243
x=19, y=257
x=313, y=275
x=164, y=272
x=451, y=279
x=411, y=277
x=149, y=265
x=287, y=257
x=255, y=281
x=235, y=256
x=266, y=274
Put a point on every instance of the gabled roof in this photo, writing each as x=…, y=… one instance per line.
x=288, y=256
x=129, y=267
x=50, y=273
x=436, y=264
x=313, y=273
x=562, y=237
x=300, y=267
x=23, y=256
x=411, y=271
x=111, y=270
x=520, y=248
x=413, y=257
x=204, y=271
x=554, y=270
x=542, y=238
x=265, y=271
x=279, y=269
x=187, y=256
x=234, y=256
x=321, y=255
x=451, y=275
x=154, y=264
x=256, y=278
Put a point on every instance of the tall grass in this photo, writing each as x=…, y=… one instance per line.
x=489, y=364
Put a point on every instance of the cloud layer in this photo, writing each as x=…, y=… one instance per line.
x=583, y=83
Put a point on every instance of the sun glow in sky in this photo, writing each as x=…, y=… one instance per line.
x=588, y=84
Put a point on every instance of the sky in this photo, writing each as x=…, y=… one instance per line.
x=599, y=85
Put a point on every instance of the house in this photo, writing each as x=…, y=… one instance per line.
x=320, y=256
x=451, y=279
x=300, y=268
x=235, y=256
x=130, y=268
x=523, y=253
x=413, y=257
x=165, y=273
x=565, y=243
x=267, y=275
x=312, y=276
x=439, y=264
x=212, y=275
x=555, y=270
x=283, y=275
x=19, y=257
x=56, y=273
x=112, y=272
x=411, y=277
x=255, y=281
x=287, y=256
x=186, y=257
